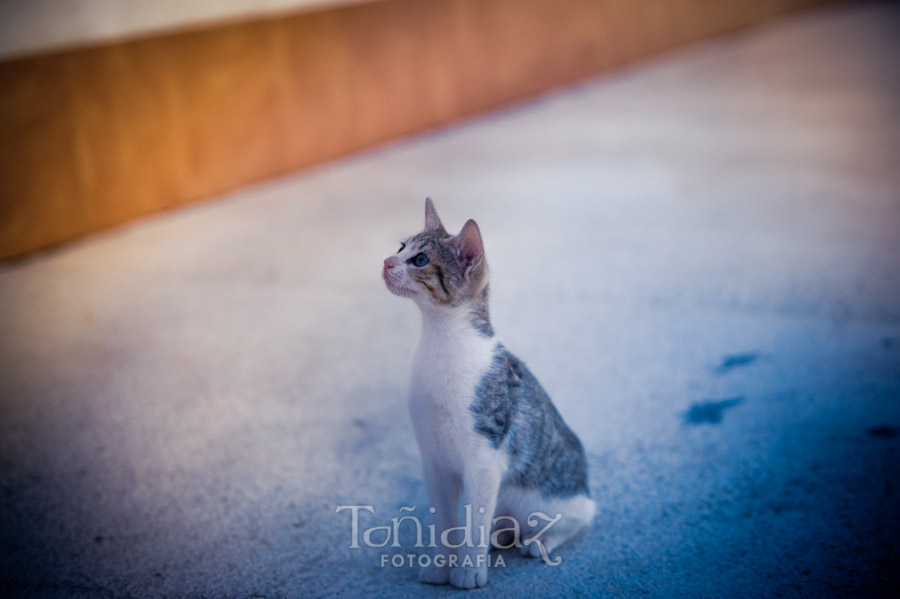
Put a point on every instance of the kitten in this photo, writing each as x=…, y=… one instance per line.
x=489, y=435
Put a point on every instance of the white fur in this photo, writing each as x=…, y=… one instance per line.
x=577, y=511
x=459, y=465
x=450, y=361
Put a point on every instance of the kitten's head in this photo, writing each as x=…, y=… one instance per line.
x=437, y=269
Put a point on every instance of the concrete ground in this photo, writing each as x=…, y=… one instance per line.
x=698, y=256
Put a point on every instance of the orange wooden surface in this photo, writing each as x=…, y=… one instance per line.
x=96, y=136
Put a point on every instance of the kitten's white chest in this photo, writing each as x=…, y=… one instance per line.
x=450, y=362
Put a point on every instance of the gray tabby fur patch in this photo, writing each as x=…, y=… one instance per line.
x=514, y=412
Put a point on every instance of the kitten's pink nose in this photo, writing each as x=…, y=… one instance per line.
x=388, y=263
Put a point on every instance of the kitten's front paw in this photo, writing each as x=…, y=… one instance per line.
x=468, y=577
x=432, y=574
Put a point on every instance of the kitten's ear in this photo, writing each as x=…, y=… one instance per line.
x=469, y=246
x=432, y=220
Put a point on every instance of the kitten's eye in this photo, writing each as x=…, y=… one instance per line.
x=420, y=260
x=402, y=247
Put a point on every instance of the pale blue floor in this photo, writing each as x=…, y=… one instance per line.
x=699, y=257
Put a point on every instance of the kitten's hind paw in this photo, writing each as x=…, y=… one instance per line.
x=468, y=577
x=432, y=574
x=541, y=549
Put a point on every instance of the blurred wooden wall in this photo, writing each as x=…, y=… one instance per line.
x=96, y=136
